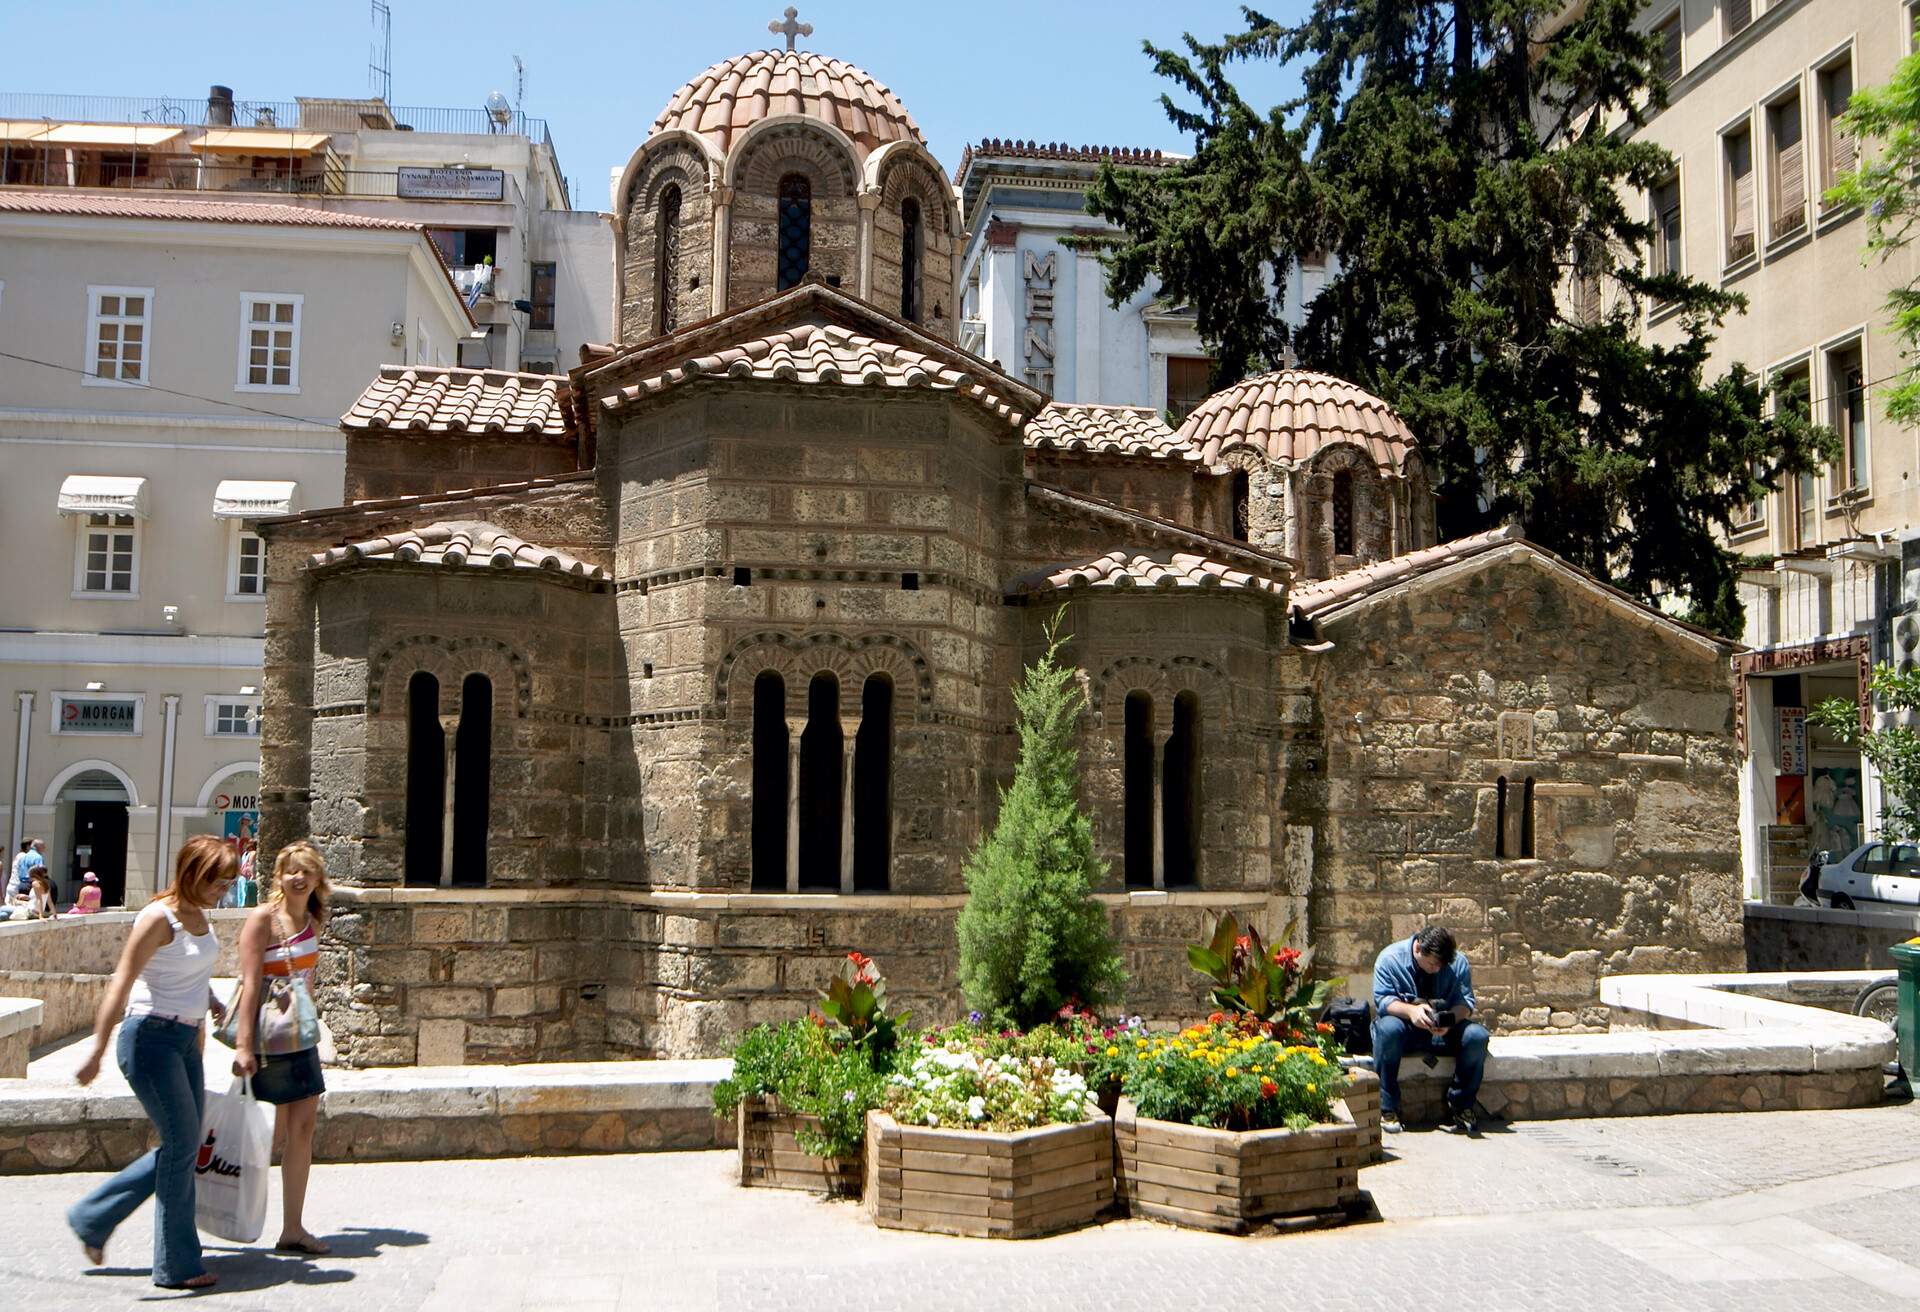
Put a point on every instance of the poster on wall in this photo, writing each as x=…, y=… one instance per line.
x=1834, y=809
x=1793, y=739
x=1790, y=799
x=239, y=816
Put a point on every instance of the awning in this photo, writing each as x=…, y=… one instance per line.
x=103, y=494
x=239, y=498
x=258, y=141
x=104, y=135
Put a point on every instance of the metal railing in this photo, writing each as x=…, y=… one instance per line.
x=317, y=114
x=192, y=173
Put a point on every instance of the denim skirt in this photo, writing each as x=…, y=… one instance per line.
x=289, y=1077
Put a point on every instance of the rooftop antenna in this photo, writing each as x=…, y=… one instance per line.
x=519, y=84
x=380, y=53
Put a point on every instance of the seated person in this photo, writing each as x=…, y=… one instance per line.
x=40, y=895
x=1422, y=998
x=89, y=900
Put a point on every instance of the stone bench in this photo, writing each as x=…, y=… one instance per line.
x=404, y=1114
x=19, y=1022
x=1742, y=1052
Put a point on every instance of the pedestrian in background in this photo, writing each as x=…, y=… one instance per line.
x=163, y=985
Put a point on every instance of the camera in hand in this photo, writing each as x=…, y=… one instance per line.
x=1443, y=1018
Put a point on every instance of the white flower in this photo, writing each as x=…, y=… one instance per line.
x=932, y=1119
x=976, y=1108
x=847, y=1096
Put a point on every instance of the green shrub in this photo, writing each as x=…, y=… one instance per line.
x=1032, y=939
x=799, y=1064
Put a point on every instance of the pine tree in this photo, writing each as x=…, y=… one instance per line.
x=1032, y=939
x=1461, y=161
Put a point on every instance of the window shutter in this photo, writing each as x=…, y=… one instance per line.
x=1743, y=215
x=1739, y=14
x=1670, y=53
x=1791, y=189
x=1843, y=152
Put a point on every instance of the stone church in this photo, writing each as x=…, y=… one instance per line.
x=624, y=704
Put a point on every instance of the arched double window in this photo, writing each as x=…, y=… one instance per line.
x=666, y=261
x=910, y=253
x=1161, y=787
x=796, y=229
x=822, y=807
x=426, y=780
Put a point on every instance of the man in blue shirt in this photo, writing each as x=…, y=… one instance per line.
x=1422, y=998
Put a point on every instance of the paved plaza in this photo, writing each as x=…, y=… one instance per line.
x=1797, y=1211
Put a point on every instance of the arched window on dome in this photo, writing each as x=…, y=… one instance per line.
x=666, y=261
x=1242, y=509
x=1342, y=512
x=796, y=229
x=910, y=260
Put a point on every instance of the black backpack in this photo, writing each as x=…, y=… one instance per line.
x=1351, y=1025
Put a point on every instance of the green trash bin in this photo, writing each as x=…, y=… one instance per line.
x=1906, y=959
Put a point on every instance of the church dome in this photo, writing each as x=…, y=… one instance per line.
x=1291, y=415
x=735, y=94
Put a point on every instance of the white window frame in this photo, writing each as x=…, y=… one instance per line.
x=1723, y=186
x=1824, y=411
x=242, y=530
x=1658, y=310
x=1788, y=517
x=248, y=300
x=89, y=359
x=1766, y=148
x=215, y=700
x=83, y=526
x=59, y=699
x=1822, y=165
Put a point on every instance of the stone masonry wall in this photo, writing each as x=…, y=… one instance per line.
x=1429, y=698
x=403, y=465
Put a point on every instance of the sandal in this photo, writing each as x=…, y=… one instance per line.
x=205, y=1280
x=306, y=1245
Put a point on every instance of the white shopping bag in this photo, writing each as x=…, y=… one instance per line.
x=230, y=1171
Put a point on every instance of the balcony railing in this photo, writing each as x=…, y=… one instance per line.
x=30, y=167
x=315, y=114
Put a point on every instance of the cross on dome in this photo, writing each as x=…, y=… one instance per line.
x=791, y=28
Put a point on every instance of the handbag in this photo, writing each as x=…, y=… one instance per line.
x=288, y=1022
x=230, y=1170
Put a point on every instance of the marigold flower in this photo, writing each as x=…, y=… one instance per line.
x=1324, y=1028
x=1233, y=1072
x=1312, y=1088
x=1215, y=1018
x=1113, y=1052
x=1269, y=1088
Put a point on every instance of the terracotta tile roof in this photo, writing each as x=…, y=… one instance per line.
x=820, y=353
x=457, y=543
x=1121, y=430
x=735, y=94
x=416, y=398
x=1309, y=598
x=1135, y=522
x=1291, y=415
x=1159, y=570
x=145, y=206
x=1059, y=150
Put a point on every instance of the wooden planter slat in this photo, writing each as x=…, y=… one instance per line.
x=770, y=1155
x=1231, y=1181
x=1027, y=1183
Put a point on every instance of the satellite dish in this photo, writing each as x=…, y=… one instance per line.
x=499, y=108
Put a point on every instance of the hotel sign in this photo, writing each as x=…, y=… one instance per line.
x=451, y=184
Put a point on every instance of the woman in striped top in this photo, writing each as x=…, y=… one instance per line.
x=282, y=938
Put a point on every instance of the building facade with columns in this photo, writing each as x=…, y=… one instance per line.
x=624, y=705
x=174, y=371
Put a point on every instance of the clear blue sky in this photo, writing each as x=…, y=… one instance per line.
x=600, y=71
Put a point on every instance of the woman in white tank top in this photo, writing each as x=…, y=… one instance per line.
x=162, y=985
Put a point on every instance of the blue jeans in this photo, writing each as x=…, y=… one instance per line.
x=1394, y=1038
x=161, y=1060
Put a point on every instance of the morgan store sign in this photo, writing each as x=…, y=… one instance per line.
x=96, y=715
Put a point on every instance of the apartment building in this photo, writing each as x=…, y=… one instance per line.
x=486, y=182
x=1754, y=125
x=172, y=369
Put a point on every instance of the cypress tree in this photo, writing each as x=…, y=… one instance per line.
x=1032, y=939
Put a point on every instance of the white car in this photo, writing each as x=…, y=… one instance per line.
x=1873, y=872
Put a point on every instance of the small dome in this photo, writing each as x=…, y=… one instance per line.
x=733, y=95
x=1291, y=415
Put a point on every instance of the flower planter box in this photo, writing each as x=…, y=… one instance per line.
x=771, y=1156
x=1232, y=1181
x=1363, y=1100
x=995, y=1186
